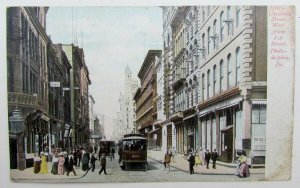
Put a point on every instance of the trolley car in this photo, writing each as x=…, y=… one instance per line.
x=134, y=153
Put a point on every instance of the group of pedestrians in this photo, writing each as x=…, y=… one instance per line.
x=201, y=158
x=61, y=163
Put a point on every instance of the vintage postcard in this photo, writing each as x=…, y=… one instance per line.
x=166, y=93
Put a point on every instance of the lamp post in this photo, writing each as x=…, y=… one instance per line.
x=16, y=130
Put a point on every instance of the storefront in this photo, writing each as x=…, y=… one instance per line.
x=217, y=127
x=190, y=123
x=155, y=137
x=258, y=132
x=179, y=137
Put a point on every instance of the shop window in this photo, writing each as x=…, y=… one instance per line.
x=259, y=114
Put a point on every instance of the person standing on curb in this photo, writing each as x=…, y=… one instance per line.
x=167, y=160
x=173, y=152
x=191, y=160
x=93, y=160
x=36, y=164
x=207, y=158
x=44, y=166
x=79, y=156
x=214, y=157
x=71, y=164
x=61, y=161
x=120, y=154
x=54, y=164
x=103, y=164
x=112, y=153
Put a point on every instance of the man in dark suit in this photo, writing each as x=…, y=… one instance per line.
x=191, y=160
x=214, y=157
x=207, y=158
x=103, y=164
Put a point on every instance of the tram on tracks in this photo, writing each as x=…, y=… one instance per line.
x=134, y=151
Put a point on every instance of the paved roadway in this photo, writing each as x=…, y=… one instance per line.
x=155, y=173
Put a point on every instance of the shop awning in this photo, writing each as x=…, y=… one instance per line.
x=259, y=102
x=220, y=106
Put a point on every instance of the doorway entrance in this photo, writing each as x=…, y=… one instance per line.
x=226, y=144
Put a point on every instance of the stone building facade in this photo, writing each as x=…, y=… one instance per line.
x=28, y=80
x=145, y=98
x=215, y=62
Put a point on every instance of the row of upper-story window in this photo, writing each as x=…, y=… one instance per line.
x=31, y=82
x=179, y=42
x=31, y=46
x=197, y=18
x=215, y=34
x=222, y=76
x=198, y=48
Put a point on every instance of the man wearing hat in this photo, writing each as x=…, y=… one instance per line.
x=103, y=164
x=191, y=160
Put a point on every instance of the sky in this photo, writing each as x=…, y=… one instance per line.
x=112, y=37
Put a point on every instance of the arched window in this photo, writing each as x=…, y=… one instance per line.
x=203, y=46
x=214, y=79
x=238, y=16
x=187, y=97
x=229, y=73
x=221, y=75
x=208, y=40
x=215, y=34
x=203, y=86
x=221, y=26
x=208, y=83
x=229, y=26
x=238, y=65
x=196, y=87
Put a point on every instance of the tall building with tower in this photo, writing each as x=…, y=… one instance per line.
x=126, y=118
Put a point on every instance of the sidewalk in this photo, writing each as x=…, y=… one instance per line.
x=28, y=174
x=182, y=164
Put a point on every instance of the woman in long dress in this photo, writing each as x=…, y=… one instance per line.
x=37, y=164
x=44, y=166
x=54, y=164
x=61, y=161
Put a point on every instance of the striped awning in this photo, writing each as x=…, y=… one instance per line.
x=259, y=102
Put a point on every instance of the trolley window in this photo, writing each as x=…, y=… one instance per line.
x=135, y=145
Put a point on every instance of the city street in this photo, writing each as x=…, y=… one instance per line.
x=155, y=173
